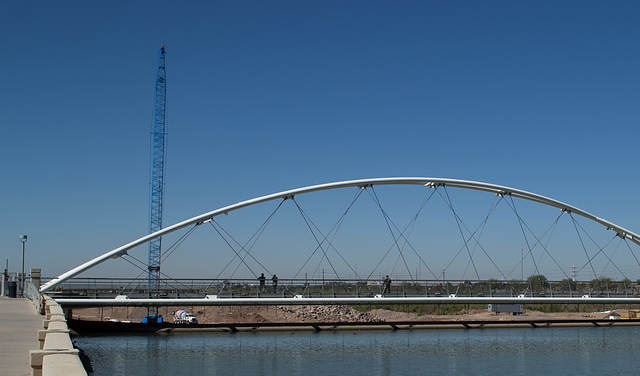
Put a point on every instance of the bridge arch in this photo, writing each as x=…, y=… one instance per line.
x=425, y=181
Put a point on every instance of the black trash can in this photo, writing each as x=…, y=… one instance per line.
x=13, y=288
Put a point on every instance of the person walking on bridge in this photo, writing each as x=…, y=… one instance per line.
x=386, y=285
x=261, y=279
x=274, y=280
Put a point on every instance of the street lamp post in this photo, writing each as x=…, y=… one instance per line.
x=23, y=239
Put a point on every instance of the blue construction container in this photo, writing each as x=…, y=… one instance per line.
x=152, y=319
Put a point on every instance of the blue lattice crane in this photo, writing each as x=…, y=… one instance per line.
x=158, y=139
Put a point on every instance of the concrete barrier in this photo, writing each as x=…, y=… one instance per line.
x=57, y=325
x=56, y=355
x=61, y=365
x=54, y=310
x=48, y=333
x=37, y=361
x=57, y=340
x=52, y=319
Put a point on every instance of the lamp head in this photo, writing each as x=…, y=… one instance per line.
x=23, y=238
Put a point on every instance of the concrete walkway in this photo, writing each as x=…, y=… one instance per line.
x=19, y=325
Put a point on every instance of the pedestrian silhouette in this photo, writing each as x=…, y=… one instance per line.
x=386, y=285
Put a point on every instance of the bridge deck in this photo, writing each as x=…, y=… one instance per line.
x=19, y=325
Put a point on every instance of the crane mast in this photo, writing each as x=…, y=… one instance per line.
x=158, y=137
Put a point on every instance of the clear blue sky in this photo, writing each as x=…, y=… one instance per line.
x=267, y=96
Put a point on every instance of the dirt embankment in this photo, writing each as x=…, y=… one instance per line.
x=304, y=314
x=240, y=314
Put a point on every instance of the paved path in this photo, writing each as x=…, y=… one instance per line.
x=19, y=325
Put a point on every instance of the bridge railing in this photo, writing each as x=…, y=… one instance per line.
x=245, y=288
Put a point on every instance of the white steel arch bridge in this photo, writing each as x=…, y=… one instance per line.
x=462, y=292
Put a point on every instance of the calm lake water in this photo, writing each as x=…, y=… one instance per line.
x=548, y=351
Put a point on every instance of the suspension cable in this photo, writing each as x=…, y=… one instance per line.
x=387, y=220
x=175, y=245
x=412, y=223
x=457, y=218
x=630, y=250
x=601, y=250
x=122, y=290
x=551, y=229
x=167, y=277
x=256, y=235
x=236, y=252
x=409, y=228
x=610, y=261
x=538, y=240
x=583, y=246
x=170, y=250
x=526, y=239
x=481, y=228
x=306, y=221
x=249, y=244
x=334, y=230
